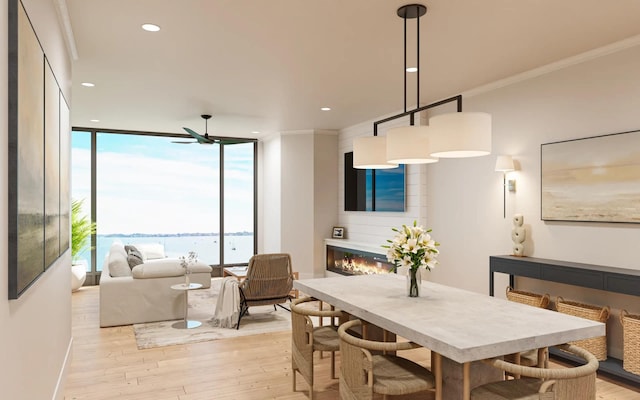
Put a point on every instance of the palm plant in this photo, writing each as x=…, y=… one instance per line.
x=81, y=230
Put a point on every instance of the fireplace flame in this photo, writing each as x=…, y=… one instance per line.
x=361, y=266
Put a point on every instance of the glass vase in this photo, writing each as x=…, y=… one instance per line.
x=413, y=282
x=187, y=276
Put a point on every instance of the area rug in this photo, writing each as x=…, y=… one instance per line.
x=202, y=305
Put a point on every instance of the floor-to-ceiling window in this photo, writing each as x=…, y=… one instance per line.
x=81, y=180
x=238, y=190
x=144, y=188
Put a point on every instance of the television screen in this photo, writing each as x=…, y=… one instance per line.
x=373, y=189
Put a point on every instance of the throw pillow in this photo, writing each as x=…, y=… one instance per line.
x=151, y=251
x=134, y=256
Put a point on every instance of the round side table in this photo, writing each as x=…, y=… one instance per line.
x=186, y=324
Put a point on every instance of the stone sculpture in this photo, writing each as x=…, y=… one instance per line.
x=518, y=235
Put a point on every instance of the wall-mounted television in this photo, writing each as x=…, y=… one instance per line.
x=373, y=189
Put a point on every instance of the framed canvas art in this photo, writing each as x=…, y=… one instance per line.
x=595, y=179
x=38, y=137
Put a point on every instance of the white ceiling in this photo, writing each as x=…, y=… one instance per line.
x=269, y=65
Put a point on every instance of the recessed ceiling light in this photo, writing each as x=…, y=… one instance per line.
x=94, y=120
x=87, y=84
x=255, y=132
x=326, y=108
x=412, y=69
x=150, y=27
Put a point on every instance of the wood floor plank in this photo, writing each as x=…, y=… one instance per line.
x=107, y=364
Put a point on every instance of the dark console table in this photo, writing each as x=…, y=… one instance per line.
x=616, y=280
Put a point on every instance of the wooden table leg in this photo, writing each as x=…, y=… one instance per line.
x=466, y=381
x=436, y=369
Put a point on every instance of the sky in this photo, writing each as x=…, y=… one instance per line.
x=147, y=184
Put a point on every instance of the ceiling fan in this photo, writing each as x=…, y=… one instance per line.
x=200, y=139
x=206, y=139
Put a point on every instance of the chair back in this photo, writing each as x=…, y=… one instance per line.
x=581, y=381
x=357, y=360
x=269, y=276
x=560, y=383
x=301, y=339
x=355, y=366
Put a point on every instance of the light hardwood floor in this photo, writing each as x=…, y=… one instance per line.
x=107, y=365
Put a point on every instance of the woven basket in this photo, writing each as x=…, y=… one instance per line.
x=598, y=345
x=631, y=341
x=528, y=298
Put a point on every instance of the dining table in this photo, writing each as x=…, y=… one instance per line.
x=463, y=327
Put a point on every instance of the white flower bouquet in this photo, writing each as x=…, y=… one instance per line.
x=186, y=262
x=412, y=247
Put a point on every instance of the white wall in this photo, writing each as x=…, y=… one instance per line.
x=269, y=229
x=35, y=337
x=297, y=199
x=300, y=196
x=464, y=196
x=325, y=194
x=592, y=98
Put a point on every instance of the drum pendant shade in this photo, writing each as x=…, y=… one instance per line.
x=370, y=152
x=460, y=134
x=409, y=145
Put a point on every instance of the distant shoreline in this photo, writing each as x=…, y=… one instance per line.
x=244, y=233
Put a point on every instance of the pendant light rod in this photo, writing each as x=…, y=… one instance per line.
x=405, y=65
x=406, y=12
x=417, y=58
x=206, y=118
x=457, y=99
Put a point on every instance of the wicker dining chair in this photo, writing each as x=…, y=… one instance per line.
x=362, y=373
x=543, y=383
x=269, y=282
x=306, y=339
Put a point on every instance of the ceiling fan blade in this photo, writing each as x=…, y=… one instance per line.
x=231, y=141
x=197, y=136
x=182, y=142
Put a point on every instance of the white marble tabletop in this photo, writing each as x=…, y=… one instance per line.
x=461, y=325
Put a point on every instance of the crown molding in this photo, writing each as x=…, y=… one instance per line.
x=65, y=23
x=615, y=47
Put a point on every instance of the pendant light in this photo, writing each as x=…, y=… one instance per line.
x=410, y=144
x=370, y=152
x=454, y=135
x=460, y=134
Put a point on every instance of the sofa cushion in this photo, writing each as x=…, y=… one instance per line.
x=199, y=266
x=166, y=267
x=118, y=265
x=158, y=269
x=117, y=248
x=151, y=251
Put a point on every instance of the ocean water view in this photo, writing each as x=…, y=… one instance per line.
x=238, y=248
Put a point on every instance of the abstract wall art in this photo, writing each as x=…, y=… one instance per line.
x=38, y=193
x=596, y=179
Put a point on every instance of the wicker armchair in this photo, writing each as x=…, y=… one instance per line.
x=269, y=281
x=307, y=339
x=549, y=384
x=362, y=373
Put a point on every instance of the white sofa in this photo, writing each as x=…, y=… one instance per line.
x=143, y=293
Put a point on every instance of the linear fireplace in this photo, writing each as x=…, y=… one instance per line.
x=346, y=261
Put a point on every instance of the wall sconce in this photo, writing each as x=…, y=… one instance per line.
x=505, y=164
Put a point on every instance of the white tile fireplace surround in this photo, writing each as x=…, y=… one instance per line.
x=344, y=257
